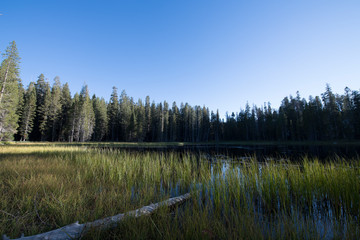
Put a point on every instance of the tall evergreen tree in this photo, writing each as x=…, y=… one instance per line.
x=55, y=109
x=65, y=114
x=154, y=122
x=141, y=121
x=132, y=126
x=44, y=114
x=165, y=124
x=217, y=126
x=173, y=122
x=160, y=122
x=74, y=119
x=147, y=119
x=356, y=113
x=20, y=108
x=29, y=111
x=205, y=124
x=40, y=87
x=332, y=114
x=87, y=116
x=113, y=113
x=9, y=92
x=125, y=115
x=101, y=118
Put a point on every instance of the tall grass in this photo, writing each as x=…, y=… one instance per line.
x=43, y=187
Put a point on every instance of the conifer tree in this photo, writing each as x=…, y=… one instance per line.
x=87, y=116
x=74, y=119
x=173, y=122
x=101, y=118
x=28, y=113
x=160, y=122
x=44, y=114
x=65, y=114
x=197, y=124
x=20, y=108
x=55, y=109
x=132, y=127
x=205, y=124
x=113, y=113
x=332, y=113
x=40, y=87
x=9, y=93
x=217, y=126
x=356, y=113
x=125, y=115
x=148, y=118
x=141, y=121
x=154, y=122
x=165, y=122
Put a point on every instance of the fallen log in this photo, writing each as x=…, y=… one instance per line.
x=76, y=230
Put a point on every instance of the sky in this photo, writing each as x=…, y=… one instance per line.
x=221, y=54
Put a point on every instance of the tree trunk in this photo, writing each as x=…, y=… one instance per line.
x=76, y=230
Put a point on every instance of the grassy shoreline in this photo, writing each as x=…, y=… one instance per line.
x=45, y=186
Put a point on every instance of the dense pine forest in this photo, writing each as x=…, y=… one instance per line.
x=49, y=112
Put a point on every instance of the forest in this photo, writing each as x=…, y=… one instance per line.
x=45, y=111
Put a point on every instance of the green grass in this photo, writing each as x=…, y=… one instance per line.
x=45, y=186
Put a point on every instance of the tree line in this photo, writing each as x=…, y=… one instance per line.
x=45, y=112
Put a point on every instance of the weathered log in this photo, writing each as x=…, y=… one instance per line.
x=76, y=230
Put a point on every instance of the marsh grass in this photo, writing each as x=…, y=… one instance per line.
x=43, y=187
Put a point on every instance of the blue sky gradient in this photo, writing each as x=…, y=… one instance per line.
x=215, y=53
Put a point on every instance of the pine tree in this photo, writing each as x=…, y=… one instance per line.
x=141, y=121
x=44, y=114
x=28, y=114
x=160, y=122
x=55, y=109
x=65, y=114
x=332, y=116
x=87, y=116
x=74, y=127
x=101, y=118
x=9, y=93
x=165, y=122
x=147, y=119
x=133, y=125
x=154, y=122
x=205, y=124
x=355, y=96
x=113, y=113
x=197, y=124
x=217, y=126
x=185, y=121
x=125, y=115
x=173, y=121
x=20, y=109
x=40, y=87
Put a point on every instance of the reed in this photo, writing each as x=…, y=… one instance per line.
x=44, y=186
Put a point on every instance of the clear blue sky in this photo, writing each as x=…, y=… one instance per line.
x=215, y=53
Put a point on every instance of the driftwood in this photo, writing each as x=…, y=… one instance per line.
x=76, y=230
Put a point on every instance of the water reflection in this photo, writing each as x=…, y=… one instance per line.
x=265, y=201
x=320, y=214
x=261, y=152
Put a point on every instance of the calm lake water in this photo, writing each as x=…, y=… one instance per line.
x=318, y=216
x=263, y=152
